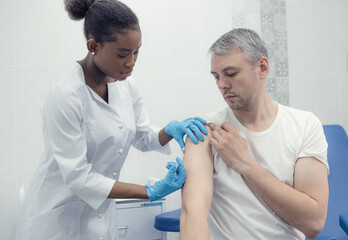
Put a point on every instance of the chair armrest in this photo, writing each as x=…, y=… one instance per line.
x=344, y=222
x=324, y=238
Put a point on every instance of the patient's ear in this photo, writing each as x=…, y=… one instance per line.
x=264, y=68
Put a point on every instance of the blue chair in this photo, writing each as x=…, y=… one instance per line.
x=344, y=222
x=337, y=140
x=168, y=221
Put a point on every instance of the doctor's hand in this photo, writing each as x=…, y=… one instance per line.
x=173, y=181
x=190, y=126
x=231, y=147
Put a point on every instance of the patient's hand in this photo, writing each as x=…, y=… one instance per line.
x=231, y=147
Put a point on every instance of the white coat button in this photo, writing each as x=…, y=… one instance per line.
x=100, y=215
x=120, y=126
x=120, y=151
x=114, y=174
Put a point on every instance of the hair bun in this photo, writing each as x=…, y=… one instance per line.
x=77, y=9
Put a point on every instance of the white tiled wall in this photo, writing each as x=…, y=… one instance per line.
x=172, y=73
x=317, y=48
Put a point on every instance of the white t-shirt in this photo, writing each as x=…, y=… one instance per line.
x=237, y=212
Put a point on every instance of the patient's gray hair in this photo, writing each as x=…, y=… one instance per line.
x=247, y=40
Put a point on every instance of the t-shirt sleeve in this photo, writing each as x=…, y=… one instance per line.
x=314, y=141
x=217, y=117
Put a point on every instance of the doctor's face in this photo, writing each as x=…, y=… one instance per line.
x=117, y=59
x=236, y=79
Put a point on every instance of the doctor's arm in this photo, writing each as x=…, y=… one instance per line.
x=127, y=190
x=197, y=191
x=172, y=182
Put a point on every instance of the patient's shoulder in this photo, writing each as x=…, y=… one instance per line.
x=218, y=116
x=201, y=150
x=190, y=144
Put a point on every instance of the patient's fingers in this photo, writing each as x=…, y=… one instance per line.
x=220, y=130
x=227, y=127
x=212, y=125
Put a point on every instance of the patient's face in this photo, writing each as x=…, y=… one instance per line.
x=238, y=82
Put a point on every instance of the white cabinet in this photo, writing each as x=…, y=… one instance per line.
x=136, y=218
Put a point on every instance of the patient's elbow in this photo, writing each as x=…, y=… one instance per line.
x=315, y=229
x=312, y=234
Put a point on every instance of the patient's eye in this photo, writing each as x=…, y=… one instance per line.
x=231, y=74
x=216, y=77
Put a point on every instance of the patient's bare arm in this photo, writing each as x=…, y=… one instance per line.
x=197, y=191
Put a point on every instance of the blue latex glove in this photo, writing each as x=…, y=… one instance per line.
x=189, y=126
x=173, y=181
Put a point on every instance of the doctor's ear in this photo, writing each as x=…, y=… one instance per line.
x=92, y=46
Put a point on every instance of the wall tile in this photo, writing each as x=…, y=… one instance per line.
x=7, y=30
x=23, y=179
x=273, y=32
x=31, y=89
x=312, y=39
x=215, y=19
x=7, y=116
x=154, y=158
x=317, y=45
x=299, y=87
x=186, y=55
x=8, y=204
x=154, y=52
x=182, y=96
x=343, y=103
x=42, y=34
x=301, y=41
x=139, y=173
x=246, y=14
x=326, y=96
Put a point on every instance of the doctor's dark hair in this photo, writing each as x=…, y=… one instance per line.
x=247, y=40
x=103, y=18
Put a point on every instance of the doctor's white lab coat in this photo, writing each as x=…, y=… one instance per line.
x=86, y=143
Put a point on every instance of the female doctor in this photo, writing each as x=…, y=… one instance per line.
x=91, y=116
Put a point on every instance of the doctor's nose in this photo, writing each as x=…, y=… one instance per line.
x=131, y=61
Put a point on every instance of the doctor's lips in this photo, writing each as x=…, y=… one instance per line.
x=127, y=74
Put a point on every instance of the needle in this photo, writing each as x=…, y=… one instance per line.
x=182, y=153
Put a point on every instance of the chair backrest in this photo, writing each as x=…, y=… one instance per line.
x=337, y=140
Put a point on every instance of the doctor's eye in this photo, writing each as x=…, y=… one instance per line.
x=122, y=55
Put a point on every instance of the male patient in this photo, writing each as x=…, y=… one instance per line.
x=263, y=172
